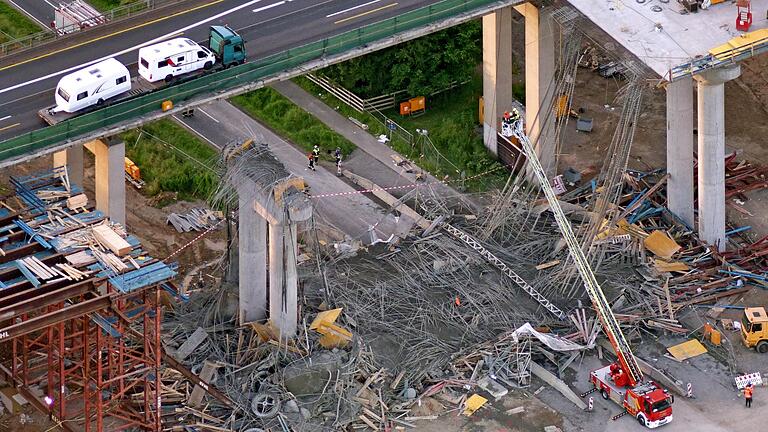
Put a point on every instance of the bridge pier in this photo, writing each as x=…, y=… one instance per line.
x=252, y=244
x=110, y=178
x=539, y=78
x=711, y=140
x=271, y=206
x=497, y=72
x=72, y=157
x=540, y=84
x=680, y=149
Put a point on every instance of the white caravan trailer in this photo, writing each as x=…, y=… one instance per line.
x=172, y=58
x=92, y=85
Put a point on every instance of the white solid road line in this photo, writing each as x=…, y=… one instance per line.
x=42, y=24
x=51, y=4
x=352, y=8
x=133, y=48
x=5, y=118
x=186, y=125
x=209, y=116
x=263, y=8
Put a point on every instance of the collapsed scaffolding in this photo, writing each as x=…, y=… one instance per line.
x=427, y=315
x=81, y=307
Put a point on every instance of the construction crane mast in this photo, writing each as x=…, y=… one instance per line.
x=622, y=382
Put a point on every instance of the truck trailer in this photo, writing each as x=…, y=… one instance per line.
x=225, y=48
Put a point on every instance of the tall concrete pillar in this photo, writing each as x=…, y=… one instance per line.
x=497, y=72
x=72, y=157
x=680, y=149
x=283, y=281
x=110, y=178
x=539, y=84
x=711, y=126
x=252, y=259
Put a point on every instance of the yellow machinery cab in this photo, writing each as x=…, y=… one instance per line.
x=754, y=329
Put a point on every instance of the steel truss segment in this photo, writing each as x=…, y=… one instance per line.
x=600, y=303
x=501, y=265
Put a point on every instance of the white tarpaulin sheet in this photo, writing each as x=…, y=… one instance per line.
x=553, y=342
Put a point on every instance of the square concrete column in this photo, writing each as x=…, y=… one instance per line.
x=282, y=279
x=497, y=72
x=110, y=178
x=711, y=126
x=680, y=149
x=73, y=159
x=252, y=258
x=539, y=84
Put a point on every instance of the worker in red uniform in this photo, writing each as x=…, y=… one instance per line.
x=311, y=157
x=748, y=395
x=620, y=378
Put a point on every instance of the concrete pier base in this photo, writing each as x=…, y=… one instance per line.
x=680, y=149
x=283, y=280
x=497, y=72
x=711, y=140
x=110, y=178
x=252, y=248
x=73, y=159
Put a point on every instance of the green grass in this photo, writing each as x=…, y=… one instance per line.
x=14, y=24
x=171, y=159
x=292, y=122
x=108, y=5
x=451, y=119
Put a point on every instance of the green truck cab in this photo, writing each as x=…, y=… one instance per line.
x=227, y=45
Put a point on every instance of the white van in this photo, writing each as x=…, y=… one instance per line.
x=175, y=57
x=92, y=85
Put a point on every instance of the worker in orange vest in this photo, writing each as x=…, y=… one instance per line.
x=748, y=395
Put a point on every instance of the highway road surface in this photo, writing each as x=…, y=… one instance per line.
x=268, y=26
x=40, y=11
x=220, y=123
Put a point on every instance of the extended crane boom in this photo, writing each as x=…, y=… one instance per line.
x=603, y=309
x=622, y=382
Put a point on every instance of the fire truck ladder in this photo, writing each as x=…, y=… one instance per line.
x=603, y=309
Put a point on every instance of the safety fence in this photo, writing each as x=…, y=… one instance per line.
x=239, y=76
x=356, y=102
x=117, y=14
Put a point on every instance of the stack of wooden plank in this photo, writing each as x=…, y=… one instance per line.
x=112, y=262
x=32, y=265
x=77, y=202
x=108, y=238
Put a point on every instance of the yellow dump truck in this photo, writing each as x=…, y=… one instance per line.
x=754, y=329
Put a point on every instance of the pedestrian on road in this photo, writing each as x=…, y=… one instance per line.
x=311, y=157
x=748, y=395
x=316, y=154
x=337, y=155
